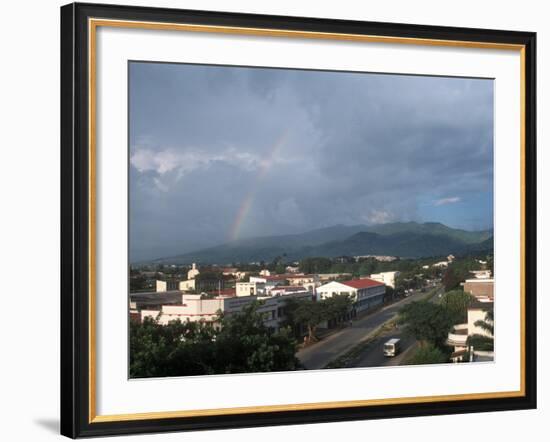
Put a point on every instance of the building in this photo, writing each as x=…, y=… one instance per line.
x=191, y=274
x=241, y=275
x=441, y=264
x=480, y=288
x=228, y=271
x=165, y=285
x=458, y=337
x=249, y=288
x=270, y=281
x=333, y=276
x=310, y=282
x=365, y=293
x=229, y=292
x=141, y=300
x=284, y=290
x=265, y=272
x=196, y=308
x=481, y=274
x=387, y=278
x=198, y=285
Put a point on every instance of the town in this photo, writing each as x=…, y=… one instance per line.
x=358, y=311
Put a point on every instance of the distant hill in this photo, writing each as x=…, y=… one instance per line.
x=410, y=240
x=437, y=229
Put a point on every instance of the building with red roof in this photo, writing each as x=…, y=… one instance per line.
x=366, y=293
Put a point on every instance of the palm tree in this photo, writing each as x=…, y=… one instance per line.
x=488, y=324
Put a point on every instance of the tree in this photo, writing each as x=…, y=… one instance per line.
x=428, y=354
x=337, y=307
x=429, y=323
x=315, y=265
x=311, y=314
x=244, y=344
x=239, y=343
x=456, y=303
x=170, y=350
x=452, y=279
x=484, y=342
x=488, y=323
x=481, y=342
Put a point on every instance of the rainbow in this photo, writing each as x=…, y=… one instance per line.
x=248, y=200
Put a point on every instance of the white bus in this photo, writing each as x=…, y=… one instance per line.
x=392, y=347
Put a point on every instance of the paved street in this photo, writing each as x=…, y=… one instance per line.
x=373, y=356
x=318, y=355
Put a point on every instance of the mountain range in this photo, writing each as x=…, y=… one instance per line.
x=406, y=240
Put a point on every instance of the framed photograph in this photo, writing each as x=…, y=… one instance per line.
x=273, y=220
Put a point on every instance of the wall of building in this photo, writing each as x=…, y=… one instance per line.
x=479, y=287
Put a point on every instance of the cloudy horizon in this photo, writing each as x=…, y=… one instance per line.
x=222, y=153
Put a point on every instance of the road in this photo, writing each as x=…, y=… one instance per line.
x=373, y=354
x=318, y=355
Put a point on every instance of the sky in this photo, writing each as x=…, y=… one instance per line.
x=221, y=153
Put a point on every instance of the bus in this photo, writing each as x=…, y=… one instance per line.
x=392, y=347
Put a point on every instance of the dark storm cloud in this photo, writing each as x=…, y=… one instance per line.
x=305, y=149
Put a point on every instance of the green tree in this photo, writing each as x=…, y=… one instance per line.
x=428, y=354
x=157, y=350
x=311, y=314
x=488, y=323
x=481, y=342
x=244, y=344
x=315, y=265
x=456, y=302
x=429, y=323
x=337, y=308
x=239, y=343
x=484, y=342
x=452, y=279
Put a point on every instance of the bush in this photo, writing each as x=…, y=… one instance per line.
x=428, y=354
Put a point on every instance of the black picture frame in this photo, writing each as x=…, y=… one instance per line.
x=75, y=220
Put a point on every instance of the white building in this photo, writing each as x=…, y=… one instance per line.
x=365, y=293
x=270, y=281
x=441, y=264
x=387, y=278
x=193, y=272
x=458, y=337
x=310, y=282
x=249, y=288
x=481, y=274
x=194, y=308
x=284, y=290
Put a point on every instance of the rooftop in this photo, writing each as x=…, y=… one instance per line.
x=362, y=283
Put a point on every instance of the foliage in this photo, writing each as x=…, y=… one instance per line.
x=301, y=312
x=456, y=302
x=428, y=354
x=138, y=283
x=481, y=342
x=489, y=323
x=315, y=265
x=241, y=343
x=210, y=276
x=429, y=323
x=311, y=314
x=452, y=278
